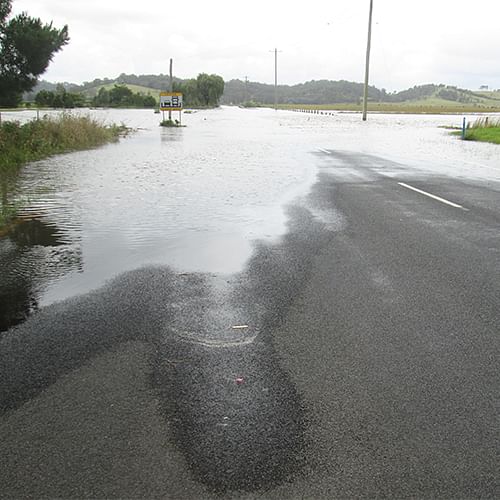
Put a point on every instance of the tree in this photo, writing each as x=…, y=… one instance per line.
x=120, y=95
x=44, y=98
x=61, y=98
x=102, y=98
x=26, y=48
x=210, y=88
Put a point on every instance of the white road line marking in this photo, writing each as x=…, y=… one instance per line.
x=442, y=200
x=324, y=151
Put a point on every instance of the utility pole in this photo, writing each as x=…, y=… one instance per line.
x=367, y=68
x=275, y=77
x=171, y=86
x=246, y=89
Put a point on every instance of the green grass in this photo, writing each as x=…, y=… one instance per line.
x=484, y=130
x=489, y=94
x=170, y=123
x=8, y=217
x=42, y=138
x=39, y=139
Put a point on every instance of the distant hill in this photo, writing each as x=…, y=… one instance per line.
x=93, y=91
x=339, y=92
x=317, y=92
x=313, y=92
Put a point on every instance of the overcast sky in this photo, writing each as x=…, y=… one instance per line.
x=413, y=42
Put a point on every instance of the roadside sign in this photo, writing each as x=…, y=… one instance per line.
x=170, y=101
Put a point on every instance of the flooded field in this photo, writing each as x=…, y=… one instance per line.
x=195, y=198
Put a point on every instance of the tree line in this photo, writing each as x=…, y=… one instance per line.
x=60, y=98
x=203, y=91
x=120, y=96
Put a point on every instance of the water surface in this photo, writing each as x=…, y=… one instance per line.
x=195, y=198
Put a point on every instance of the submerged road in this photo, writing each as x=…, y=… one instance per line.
x=357, y=357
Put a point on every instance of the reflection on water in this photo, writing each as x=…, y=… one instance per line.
x=171, y=134
x=32, y=254
x=31, y=232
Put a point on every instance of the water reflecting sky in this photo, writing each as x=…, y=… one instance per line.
x=194, y=198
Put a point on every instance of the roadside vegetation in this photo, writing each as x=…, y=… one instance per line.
x=484, y=130
x=7, y=214
x=38, y=139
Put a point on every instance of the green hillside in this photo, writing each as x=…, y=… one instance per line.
x=92, y=91
x=326, y=92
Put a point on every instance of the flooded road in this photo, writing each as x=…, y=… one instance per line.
x=195, y=198
x=253, y=305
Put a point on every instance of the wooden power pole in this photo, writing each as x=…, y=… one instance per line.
x=275, y=77
x=367, y=68
x=171, y=86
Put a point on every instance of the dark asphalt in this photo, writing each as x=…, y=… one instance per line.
x=369, y=366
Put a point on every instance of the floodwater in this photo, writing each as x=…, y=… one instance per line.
x=195, y=198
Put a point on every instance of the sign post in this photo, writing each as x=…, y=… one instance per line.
x=171, y=101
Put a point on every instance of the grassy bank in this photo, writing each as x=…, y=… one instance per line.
x=39, y=139
x=485, y=130
x=42, y=138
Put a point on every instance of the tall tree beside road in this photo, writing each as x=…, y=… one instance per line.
x=210, y=88
x=27, y=46
x=204, y=90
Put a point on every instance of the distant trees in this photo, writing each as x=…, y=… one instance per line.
x=204, y=90
x=121, y=96
x=313, y=92
x=26, y=49
x=330, y=92
x=59, y=99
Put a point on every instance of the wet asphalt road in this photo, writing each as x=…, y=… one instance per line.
x=367, y=365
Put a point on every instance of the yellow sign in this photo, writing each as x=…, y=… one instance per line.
x=170, y=101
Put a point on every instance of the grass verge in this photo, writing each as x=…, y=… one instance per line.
x=39, y=139
x=42, y=138
x=484, y=130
